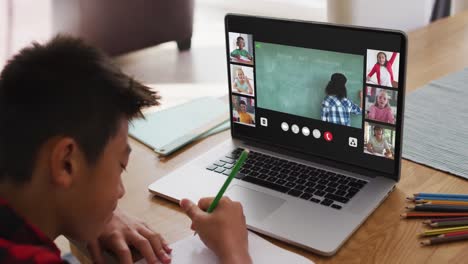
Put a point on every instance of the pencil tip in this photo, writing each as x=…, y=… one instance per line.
x=425, y=243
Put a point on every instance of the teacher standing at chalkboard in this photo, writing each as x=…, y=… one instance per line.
x=336, y=107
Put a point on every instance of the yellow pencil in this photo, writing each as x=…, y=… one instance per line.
x=440, y=231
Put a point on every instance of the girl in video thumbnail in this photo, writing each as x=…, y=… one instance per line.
x=377, y=143
x=336, y=107
x=383, y=69
x=242, y=83
x=381, y=110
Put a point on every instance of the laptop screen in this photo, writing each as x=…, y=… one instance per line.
x=330, y=91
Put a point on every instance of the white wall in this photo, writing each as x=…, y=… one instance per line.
x=31, y=21
x=3, y=32
x=404, y=15
x=313, y=10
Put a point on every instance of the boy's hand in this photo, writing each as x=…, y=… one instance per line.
x=123, y=231
x=224, y=230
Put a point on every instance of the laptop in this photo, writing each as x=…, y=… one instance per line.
x=320, y=108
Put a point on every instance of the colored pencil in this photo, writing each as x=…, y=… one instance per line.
x=439, y=231
x=446, y=202
x=228, y=180
x=233, y=173
x=428, y=214
x=437, y=199
x=438, y=208
x=441, y=195
x=453, y=234
x=440, y=199
x=438, y=220
x=450, y=223
x=440, y=240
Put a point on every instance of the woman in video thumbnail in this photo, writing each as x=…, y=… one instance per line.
x=240, y=53
x=336, y=107
x=383, y=69
x=381, y=110
x=377, y=143
x=242, y=83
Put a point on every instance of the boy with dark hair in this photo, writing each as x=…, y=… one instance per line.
x=64, y=114
x=240, y=52
x=244, y=117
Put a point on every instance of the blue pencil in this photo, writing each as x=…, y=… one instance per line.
x=444, y=195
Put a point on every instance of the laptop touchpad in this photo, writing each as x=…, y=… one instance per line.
x=257, y=205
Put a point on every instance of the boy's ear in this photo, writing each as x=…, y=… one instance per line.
x=64, y=160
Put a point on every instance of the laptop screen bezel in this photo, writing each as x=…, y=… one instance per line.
x=232, y=19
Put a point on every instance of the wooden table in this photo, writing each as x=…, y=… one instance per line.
x=434, y=51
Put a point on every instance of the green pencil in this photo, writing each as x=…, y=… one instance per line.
x=449, y=223
x=234, y=172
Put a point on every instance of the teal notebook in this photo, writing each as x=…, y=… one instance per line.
x=170, y=129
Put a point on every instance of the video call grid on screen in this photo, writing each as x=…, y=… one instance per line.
x=339, y=149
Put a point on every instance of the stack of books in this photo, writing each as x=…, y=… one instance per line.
x=447, y=216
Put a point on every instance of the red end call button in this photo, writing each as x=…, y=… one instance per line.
x=328, y=136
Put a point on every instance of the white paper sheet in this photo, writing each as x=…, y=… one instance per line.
x=192, y=250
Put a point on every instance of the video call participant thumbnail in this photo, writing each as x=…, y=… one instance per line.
x=241, y=51
x=385, y=69
x=242, y=79
x=381, y=109
x=378, y=143
x=243, y=110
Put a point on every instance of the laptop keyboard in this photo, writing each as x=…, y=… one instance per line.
x=309, y=183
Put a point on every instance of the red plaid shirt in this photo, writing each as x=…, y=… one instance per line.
x=21, y=242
